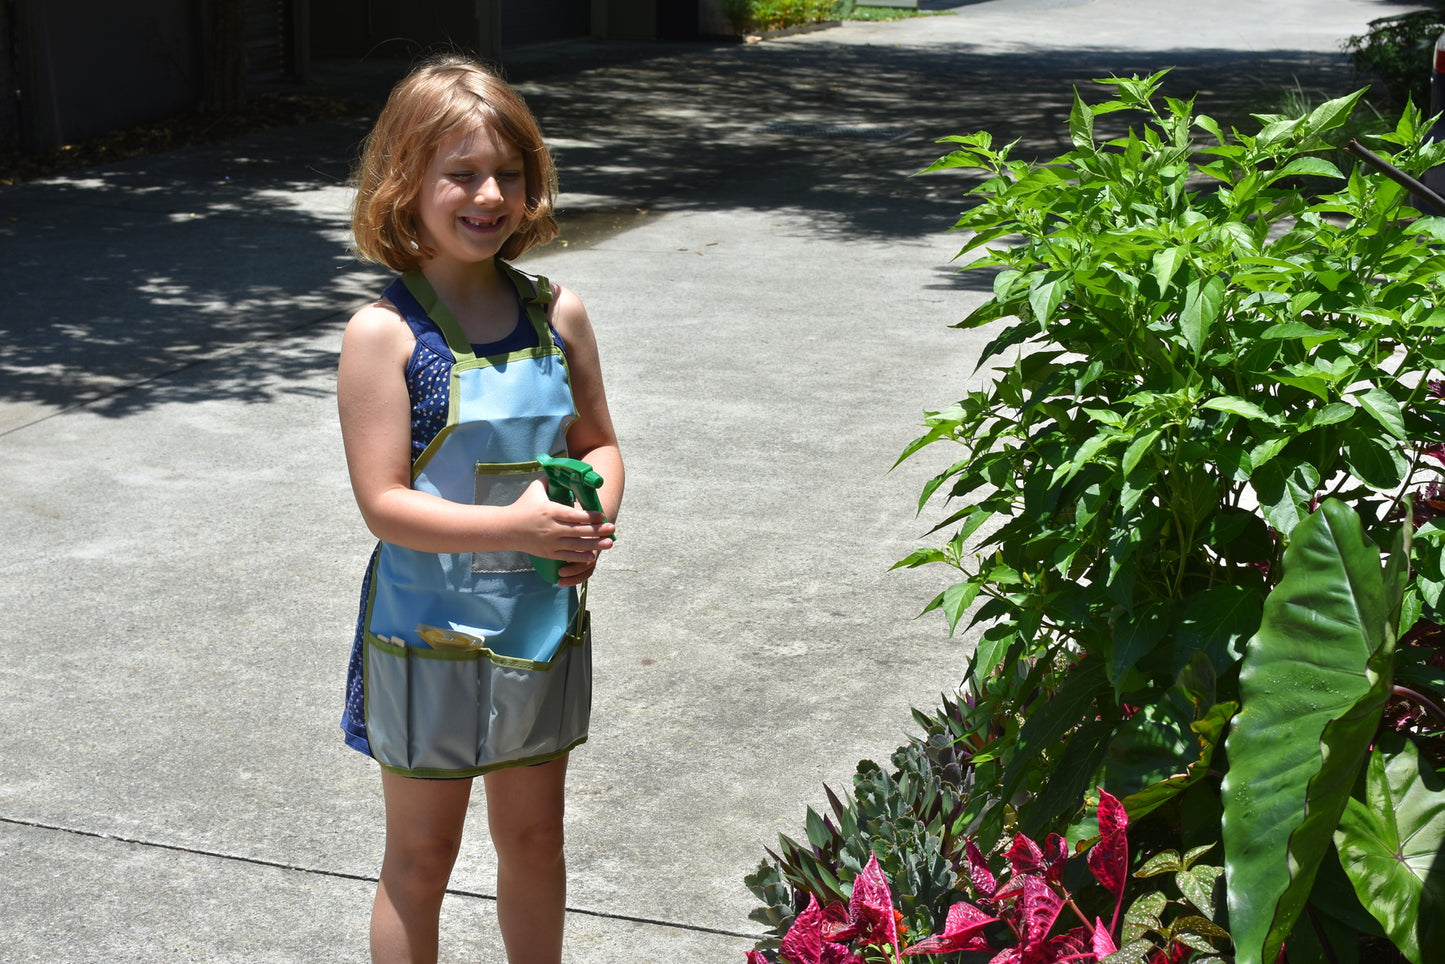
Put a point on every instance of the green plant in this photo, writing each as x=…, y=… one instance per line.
x=1192, y=356
x=1043, y=910
x=1192, y=371
x=1398, y=50
x=872, y=14
x=753, y=15
x=912, y=818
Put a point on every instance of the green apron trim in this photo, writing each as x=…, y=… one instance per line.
x=533, y=298
x=429, y=774
x=576, y=637
x=534, y=301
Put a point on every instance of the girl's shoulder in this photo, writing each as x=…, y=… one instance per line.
x=568, y=315
x=379, y=327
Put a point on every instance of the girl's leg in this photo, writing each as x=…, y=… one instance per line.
x=524, y=814
x=423, y=833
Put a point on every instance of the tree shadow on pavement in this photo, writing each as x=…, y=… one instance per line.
x=124, y=273
x=835, y=131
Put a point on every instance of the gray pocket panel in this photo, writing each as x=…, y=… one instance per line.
x=451, y=713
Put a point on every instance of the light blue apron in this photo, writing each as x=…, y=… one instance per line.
x=473, y=661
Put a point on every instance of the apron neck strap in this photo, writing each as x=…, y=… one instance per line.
x=439, y=313
x=536, y=297
x=534, y=300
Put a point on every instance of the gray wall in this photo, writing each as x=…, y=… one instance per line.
x=391, y=28
x=404, y=28
x=535, y=21
x=88, y=67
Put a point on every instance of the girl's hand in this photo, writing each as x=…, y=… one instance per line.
x=551, y=530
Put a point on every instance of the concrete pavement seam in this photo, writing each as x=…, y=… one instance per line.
x=363, y=878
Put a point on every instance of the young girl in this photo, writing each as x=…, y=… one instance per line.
x=467, y=662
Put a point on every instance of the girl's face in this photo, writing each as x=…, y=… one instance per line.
x=473, y=196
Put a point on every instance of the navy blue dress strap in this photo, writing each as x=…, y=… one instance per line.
x=416, y=318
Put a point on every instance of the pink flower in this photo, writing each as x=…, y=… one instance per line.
x=871, y=907
x=805, y=942
x=960, y=932
x=1109, y=858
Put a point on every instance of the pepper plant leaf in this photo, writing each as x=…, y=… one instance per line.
x=1313, y=686
x=1392, y=846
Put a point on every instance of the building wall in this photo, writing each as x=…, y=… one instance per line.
x=405, y=28
x=626, y=19
x=392, y=28
x=536, y=21
x=86, y=67
x=714, y=20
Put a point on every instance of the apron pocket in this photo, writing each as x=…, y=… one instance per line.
x=461, y=712
x=502, y=484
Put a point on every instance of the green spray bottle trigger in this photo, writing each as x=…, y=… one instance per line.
x=569, y=481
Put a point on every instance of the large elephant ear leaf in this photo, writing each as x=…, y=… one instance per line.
x=1313, y=686
x=1393, y=848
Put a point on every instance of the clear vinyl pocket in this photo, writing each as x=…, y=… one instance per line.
x=461, y=710
x=502, y=484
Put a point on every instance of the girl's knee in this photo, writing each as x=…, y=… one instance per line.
x=421, y=864
x=535, y=840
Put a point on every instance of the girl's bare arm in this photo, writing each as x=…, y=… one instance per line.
x=591, y=437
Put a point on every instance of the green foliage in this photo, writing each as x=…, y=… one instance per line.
x=1188, y=356
x=884, y=14
x=1398, y=51
x=1391, y=844
x=754, y=15
x=911, y=818
x=1186, y=374
x=1314, y=684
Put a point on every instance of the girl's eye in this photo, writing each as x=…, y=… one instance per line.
x=510, y=175
x=462, y=176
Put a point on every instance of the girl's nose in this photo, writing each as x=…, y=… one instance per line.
x=489, y=190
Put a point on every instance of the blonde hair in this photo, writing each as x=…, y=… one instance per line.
x=440, y=96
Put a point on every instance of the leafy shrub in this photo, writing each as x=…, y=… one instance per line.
x=1042, y=910
x=1399, y=50
x=1212, y=397
x=753, y=15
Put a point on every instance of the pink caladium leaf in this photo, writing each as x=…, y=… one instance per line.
x=1038, y=908
x=1025, y=856
x=836, y=925
x=803, y=943
x=1056, y=855
x=982, y=879
x=1109, y=858
x=839, y=954
x=758, y=957
x=1113, y=818
x=1175, y=953
x=871, y=907
x=960, y=932
x=1102, y=943
x=1073, y=946
x=1009, y=955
